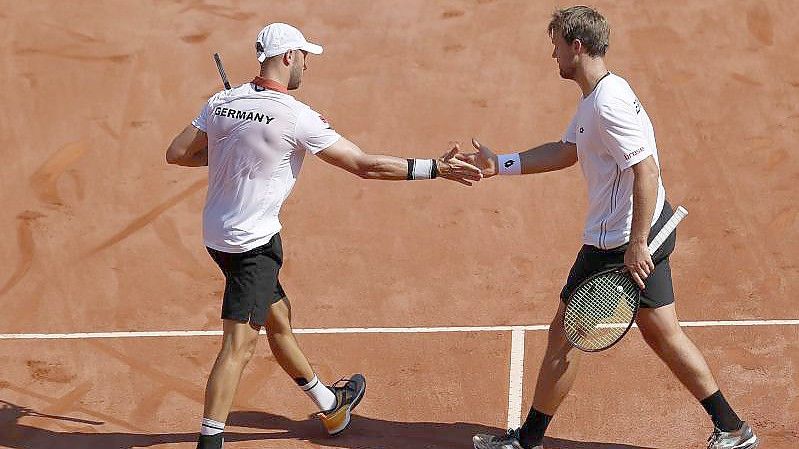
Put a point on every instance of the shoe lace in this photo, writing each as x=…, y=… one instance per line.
x=713, y=438
x=345, y=382
x=346, y=386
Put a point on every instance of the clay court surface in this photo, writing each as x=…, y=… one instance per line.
x=101, y=236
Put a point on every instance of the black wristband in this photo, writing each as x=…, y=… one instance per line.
x=409, y=176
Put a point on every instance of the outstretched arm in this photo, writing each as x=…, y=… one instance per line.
x=345, y=154
x=189, y=148
x=543, y=158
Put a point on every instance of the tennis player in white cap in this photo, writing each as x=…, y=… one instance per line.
x=253, y=138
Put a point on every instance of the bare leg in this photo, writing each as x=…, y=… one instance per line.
x=238, y=346
x=662, y=332
x=558, y=369
x=284, y=346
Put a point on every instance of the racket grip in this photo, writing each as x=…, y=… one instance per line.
x=667, y=229
x=221, y=70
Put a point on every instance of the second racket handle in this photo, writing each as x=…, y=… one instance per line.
x=667, y=229
x=221, y=70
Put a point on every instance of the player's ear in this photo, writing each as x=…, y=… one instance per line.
x=577, y=46
x=288, y=57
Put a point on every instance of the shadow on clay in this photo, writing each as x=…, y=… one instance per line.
x=364, y=433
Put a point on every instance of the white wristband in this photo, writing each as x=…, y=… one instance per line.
x=509, y=164
x=422, y=169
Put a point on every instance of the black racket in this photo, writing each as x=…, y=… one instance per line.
x=221, y=69
x=601, y=310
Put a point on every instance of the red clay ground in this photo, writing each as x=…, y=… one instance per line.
x=414, y=393
x=103, y=236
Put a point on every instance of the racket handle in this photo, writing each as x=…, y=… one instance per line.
x=667, y=229
x=221, y=69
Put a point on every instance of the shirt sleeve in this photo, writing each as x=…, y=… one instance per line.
x=570, y=135
x=201, y=121
x=622, y=132
x=313, y=132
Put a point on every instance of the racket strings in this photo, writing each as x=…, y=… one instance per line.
x=600, y=311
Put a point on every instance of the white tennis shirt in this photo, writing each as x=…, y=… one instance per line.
x=612, y=132
x=257, y=140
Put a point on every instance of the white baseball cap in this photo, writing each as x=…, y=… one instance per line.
x=278, y=38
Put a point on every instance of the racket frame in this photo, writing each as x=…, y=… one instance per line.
x=629, y=325
x=656, y=243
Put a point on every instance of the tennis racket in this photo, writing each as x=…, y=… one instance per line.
x=221, y=69
x=601, y=310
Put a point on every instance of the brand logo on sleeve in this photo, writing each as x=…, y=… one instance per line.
x=630, y=155
x=324, y=120
x=637, y=105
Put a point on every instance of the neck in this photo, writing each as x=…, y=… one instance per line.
x=270, y=73
x=270, y=84
x=592, y=70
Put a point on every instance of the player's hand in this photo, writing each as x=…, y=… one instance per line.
x=455, y=169
x=638, y=262
x=483, y=158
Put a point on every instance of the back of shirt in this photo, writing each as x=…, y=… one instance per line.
x=256, y=144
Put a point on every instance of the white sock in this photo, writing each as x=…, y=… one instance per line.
x=320, y=394
x=211, y=427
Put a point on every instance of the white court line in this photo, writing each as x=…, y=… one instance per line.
x=404, y=330
x=516, y=357
x=516, y=377
x=740, y=323
x=363, y=330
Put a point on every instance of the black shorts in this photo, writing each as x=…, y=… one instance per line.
x=658, y=292
x=251, y=281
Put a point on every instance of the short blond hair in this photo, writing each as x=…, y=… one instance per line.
x=583, y=23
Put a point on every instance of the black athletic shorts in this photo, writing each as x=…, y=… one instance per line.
x=251, y=283
x=658, y=292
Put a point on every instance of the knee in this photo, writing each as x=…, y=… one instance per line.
x=558, y=348
x=651, y=339
x=278, y=325
x=278, y=328
x=241, y=351
x=278, y=333
x=661, y=338
x=555, y=328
